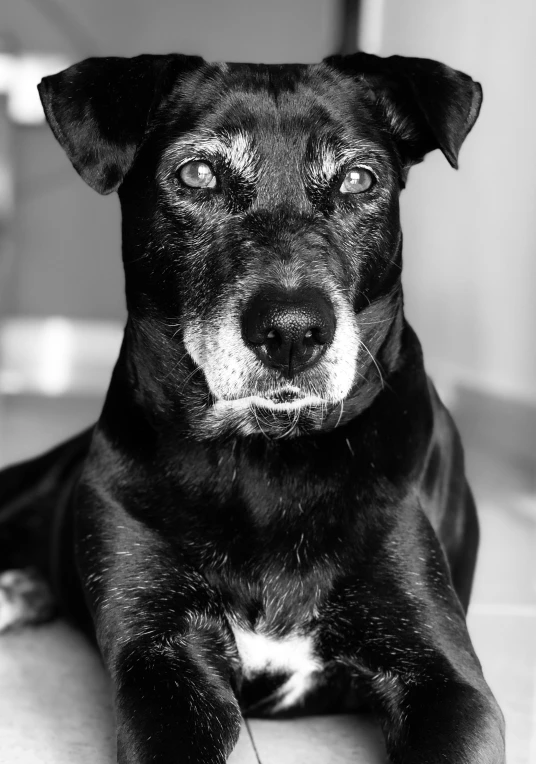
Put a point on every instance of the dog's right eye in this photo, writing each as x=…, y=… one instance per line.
x=197, y=175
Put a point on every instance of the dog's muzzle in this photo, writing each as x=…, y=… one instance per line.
x=288, y=331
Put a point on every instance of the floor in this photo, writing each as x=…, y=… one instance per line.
x=55, y=698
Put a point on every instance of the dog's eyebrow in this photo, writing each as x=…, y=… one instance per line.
x=236, y=149
x=326, y=158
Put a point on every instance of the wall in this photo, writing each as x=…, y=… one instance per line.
x=470, y=237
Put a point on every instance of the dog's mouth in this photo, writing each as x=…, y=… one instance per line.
x=282, y=413
x=287, y=399
x=286, y=395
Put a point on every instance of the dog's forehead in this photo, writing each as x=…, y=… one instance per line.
x=293, y=103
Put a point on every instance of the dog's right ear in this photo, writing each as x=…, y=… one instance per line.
x=99, y=110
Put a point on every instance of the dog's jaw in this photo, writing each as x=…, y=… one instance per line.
x=260, y=415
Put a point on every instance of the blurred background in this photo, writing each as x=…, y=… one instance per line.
x=469, y=246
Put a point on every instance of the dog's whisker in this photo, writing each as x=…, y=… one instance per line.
x=376, y=364
x=189, y=377
x=174, y=368
x=340, y=414
x=257, y=419
x=373, y=323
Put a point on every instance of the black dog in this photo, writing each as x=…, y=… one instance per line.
x=271, y=515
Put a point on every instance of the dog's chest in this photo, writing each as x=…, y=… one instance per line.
x=278, y=672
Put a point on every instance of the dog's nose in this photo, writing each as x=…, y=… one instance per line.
x=287, y=331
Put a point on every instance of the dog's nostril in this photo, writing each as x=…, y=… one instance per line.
x=315, y=335
x=289, y=331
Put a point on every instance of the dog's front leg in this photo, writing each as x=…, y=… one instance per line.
x=165, y=644
x=398, y=622
x=173, y=700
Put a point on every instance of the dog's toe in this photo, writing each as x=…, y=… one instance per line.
x=25, y=598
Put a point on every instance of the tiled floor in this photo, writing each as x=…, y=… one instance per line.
x=54, y=696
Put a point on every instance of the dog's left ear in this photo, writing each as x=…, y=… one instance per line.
x=427, y=105
x=99, y=110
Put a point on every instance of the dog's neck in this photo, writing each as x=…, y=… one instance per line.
x=142, y=426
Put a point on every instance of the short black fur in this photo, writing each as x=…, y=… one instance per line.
x=220, y=498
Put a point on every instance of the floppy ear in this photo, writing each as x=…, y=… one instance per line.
x=99, y=109
x=427, y=105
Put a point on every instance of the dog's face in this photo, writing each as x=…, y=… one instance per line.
x=262, y=243
x=271, y=231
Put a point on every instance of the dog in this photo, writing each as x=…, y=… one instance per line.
x=271, y=516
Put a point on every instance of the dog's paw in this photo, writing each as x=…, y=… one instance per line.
x=25, y=599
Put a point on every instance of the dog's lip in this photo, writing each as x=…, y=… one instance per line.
x=282, y=400
x=284, y=395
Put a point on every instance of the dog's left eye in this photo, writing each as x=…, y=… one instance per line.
x=197, y=175
x=356, y=181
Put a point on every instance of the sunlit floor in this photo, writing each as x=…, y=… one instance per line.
x=55, y=699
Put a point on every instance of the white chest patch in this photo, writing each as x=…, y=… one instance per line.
x=260, y=653
x=293, y=655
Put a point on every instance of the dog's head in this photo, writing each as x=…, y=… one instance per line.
x=261, y=234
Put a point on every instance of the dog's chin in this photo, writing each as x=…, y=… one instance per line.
x=281, y=414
